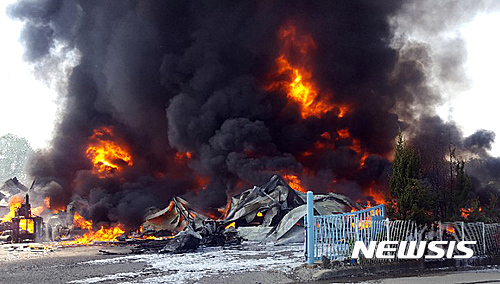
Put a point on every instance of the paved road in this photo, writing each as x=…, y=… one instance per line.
x=487, y=276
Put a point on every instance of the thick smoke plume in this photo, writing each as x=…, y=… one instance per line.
x=182, y=84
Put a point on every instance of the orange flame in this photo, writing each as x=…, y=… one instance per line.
x=14, y=204
x=343, y=133
x=299, y=86
x=80, y=222
x=378, y=197
x=182, y=157
x=363, y=224
x=107, y=156
x=467, y=211
x=294, y=182
x=103, y=234
x=450, y=229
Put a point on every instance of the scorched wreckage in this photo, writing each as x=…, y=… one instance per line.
x=212, y=119
x=272, y=212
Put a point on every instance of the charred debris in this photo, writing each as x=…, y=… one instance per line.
x=273, y=212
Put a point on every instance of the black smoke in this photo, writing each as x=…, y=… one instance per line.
x=178, y=76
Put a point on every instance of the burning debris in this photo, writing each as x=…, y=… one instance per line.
x=10, y=188
x=200, y=116
x=276, y=212
x=26, y=226
x=271, y=212
x=315, y=93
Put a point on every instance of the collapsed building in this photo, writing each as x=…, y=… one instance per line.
x=273, y=212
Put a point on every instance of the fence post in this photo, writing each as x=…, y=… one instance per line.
x=310, y=228
x=387, y=228
x=463, y=232
x=440, y=230
x=484, y=241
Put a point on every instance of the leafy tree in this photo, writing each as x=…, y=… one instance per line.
x=410, y=197
x=14, y=154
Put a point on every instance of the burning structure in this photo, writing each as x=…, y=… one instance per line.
x=273, y=211
x=180, y=98
x=25, y=225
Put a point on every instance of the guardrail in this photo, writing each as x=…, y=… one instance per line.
x=334, y=236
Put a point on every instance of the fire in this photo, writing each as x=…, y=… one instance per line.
x=302, y=90
x=106, y=155
x=80, y=222
x=363, y=224
x=145, y=237
x=27, y=225
x=343, y=133
x=233, y=224
x=224, y=210
x=294, y=182
x=103, y=234
x=299, y=85
x=182, y=157
x=450, y=229
x=378, y=197
x=55, y=209
x=14, y=204
x=467, y=211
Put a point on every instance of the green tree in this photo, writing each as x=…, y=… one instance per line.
x=410, y=197
x=14, y=154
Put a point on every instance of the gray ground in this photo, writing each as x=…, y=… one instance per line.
x=249, y=263
x=61, y=266
x=469, y=277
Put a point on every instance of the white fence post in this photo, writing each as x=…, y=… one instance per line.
x=484, y=240
x=440, y=230
x=463, y=232
x=387, y=228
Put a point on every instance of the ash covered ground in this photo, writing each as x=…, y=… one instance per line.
x=246, y=263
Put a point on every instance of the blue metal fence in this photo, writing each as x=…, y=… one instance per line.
x=333, y=236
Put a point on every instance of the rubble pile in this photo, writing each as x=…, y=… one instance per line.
x=273, y=212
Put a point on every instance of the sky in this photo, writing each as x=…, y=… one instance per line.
x=478, y=107
x=29, y=107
